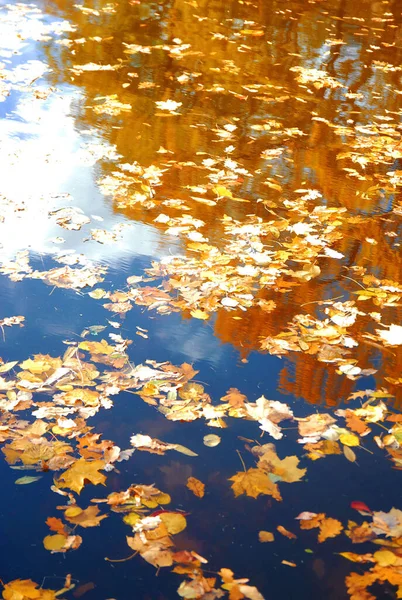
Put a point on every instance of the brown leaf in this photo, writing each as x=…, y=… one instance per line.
x=349, y=454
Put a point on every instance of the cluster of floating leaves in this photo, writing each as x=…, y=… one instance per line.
x=59, y=440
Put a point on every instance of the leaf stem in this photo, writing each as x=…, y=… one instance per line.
x=242, y=461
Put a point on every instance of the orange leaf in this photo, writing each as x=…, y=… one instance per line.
x=329, y=528
x=286, y=533
x=234, y=397
x=196, y=486
x=354, y=423
x=266, y=536
x=56, y=525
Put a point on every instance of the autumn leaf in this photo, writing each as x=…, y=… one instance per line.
x=80, y=472
x=55, y=543
x=156, y=552
x=234, y=397
x=357, y=558
x=175, y=522
x=360, y=533
x=253, y=483
x=329, y=528
x=211, y=440
x=101, y=347
x=26, y=589
x=269, y=413
x=356, y=424
x=85, y=518
x=286, y=533
x=315, y=425
x=56, y=525
x=284, y=469
x=266, y=536
x=349, y=454
x=200, y=314
x=385, y=558
x=196, y=486
x=388, y=524
x=349, y=439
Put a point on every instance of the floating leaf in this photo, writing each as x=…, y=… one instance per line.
x=80, y=472
x=196, y=486
x=55, y=542
x=175, y=522
x=349, y=439
x=211, y=440
x=286, y=533
x=253, y=483
x=266, y=536
x=27, y=479
x=349, y=454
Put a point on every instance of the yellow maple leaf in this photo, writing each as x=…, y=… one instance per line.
x=41, y=363
x=101, y=347
x=26, y=589
x=253, y=483
x=286, y=468
x=82, y=470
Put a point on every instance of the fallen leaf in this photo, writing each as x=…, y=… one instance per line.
x=253, y=483
x=211, y=440
x=286, y=533
x=196, y=486
x=80, y=472
x=329, y=528
x=27, y=479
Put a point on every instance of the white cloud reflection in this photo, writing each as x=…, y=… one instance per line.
x=47, y=164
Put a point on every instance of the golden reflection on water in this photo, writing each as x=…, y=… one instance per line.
x=232, y=65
